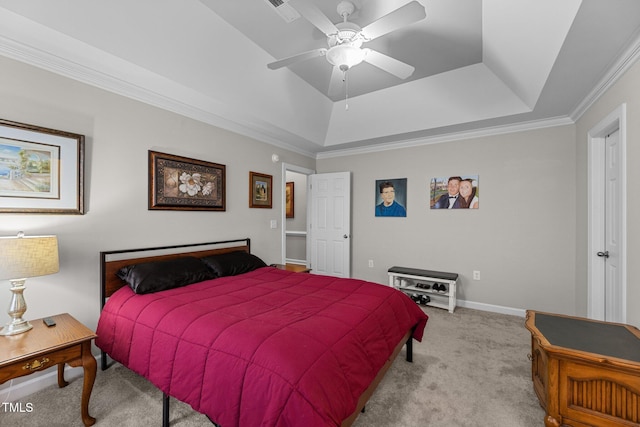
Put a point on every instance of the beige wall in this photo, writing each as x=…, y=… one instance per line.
x=624, y=91
x=119, y=132
x=522, y=239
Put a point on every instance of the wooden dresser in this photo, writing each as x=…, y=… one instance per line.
x=585, y=372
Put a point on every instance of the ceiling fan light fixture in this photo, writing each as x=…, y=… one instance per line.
x=347, y=32
x=345, y=55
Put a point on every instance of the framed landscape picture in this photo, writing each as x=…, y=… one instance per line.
x=181, y=183
x=41, y=170
x=260, y=190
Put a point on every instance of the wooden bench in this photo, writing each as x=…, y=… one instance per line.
x=421, y=282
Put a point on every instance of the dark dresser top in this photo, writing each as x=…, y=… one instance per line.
x=613, y=340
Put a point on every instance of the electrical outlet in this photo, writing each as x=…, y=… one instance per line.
x=476, y=275
x=370, y=263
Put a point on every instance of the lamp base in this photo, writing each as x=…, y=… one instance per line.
x=15, y=327
x=17, y=307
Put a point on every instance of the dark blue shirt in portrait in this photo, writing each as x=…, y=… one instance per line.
x=394, y=209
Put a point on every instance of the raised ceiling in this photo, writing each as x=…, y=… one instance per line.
x=449, y=38
x=480, y=65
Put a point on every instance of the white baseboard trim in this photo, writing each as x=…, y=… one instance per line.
x=20, y=388
x=492, y=308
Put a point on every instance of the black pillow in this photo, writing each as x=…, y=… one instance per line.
x=154, y=276
x=233, y=263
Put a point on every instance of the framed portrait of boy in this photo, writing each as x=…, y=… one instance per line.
x=391, y=197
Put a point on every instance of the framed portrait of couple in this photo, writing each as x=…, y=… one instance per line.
x=455, y=192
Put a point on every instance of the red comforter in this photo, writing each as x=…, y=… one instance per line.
x=266, y=348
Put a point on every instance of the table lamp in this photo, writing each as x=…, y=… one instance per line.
x=21, y=257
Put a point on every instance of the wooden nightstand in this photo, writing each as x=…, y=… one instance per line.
x=296, y=268
x=69, y=341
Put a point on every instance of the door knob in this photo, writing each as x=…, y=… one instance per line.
x=345, y=236
x=604, y=254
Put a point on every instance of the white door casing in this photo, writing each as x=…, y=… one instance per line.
x=329, y=227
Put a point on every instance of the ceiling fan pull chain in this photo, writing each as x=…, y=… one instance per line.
x=346, y=91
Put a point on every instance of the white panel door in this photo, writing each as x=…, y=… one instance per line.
x=613, y=286
x=607, y=219
x=330, y=223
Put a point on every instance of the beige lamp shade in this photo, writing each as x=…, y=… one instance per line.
x=28, y=256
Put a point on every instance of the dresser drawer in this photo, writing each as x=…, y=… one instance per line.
x=39, y=362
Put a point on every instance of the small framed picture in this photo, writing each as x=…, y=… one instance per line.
x=181, y=183
x=41, y=170
x=290, y=199
x=260, y=190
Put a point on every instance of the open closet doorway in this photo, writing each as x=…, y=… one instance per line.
x=295, y=244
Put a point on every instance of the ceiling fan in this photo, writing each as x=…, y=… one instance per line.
x=345, y=40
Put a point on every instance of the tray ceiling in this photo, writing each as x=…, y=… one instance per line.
x=479, y=64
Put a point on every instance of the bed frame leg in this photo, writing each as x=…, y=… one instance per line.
x=165, y=410
x=410, y=350
x=103, y=361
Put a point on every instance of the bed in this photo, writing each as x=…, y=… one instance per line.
x=248, y=344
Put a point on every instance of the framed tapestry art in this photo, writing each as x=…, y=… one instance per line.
x=290, y=194
x=181, y=183
x=41, y=170
x=260, y=190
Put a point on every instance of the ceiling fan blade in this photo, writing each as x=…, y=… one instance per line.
x=337, y=81
x=313, y=14
x=403, y=16
x=389, y=64
x=297, y=58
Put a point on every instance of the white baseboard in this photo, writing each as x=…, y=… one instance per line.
x=492, y=308
x=20, y=388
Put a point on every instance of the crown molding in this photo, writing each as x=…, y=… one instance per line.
x=627, y=59
x=213, y=113
x=454, y=136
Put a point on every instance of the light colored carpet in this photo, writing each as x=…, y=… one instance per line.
x=470, y=370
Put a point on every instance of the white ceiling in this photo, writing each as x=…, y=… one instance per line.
x=480, y=65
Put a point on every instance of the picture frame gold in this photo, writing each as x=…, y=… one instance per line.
x=260, y=190
x=186, y=184
x=290, y=199
x=41, y=170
